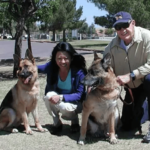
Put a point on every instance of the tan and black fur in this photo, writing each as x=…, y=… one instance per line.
x=22, y=98
x=100, y=111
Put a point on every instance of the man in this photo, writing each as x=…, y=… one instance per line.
x=130, y=51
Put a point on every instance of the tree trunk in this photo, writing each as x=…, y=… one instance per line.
x=20, y=11
x=29, y=42
x=29, y=39
x=64, y=35
x=53, y=39
x=10, y=30
x=18, y=42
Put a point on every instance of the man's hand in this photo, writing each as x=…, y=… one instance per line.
x=54, y=99
x=124, y=79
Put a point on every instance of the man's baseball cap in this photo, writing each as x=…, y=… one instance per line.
x=122, y=17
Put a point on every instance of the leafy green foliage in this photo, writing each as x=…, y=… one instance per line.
x=87, y=30
x=91, y=29
x=83, y=29
x=104, y=21
x=139, y=9
x=100, y=31
x=64, y=17
x=109, y=31
x=6, y=20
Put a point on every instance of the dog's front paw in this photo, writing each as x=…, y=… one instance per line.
x=14, y=130
x=40, y=128
x=43, y=130
x=81, y=142
x=29, y=132
x=113, y=141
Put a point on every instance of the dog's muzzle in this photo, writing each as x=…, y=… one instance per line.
x=25, y=76
x=92, y=81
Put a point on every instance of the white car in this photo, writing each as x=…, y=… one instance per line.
x=26, y=36
x=9, y=36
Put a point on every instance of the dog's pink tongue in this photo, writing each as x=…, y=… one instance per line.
x=26, y=81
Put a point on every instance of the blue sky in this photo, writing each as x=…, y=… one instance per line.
x=89, y=11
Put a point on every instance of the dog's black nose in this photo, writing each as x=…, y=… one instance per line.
x=22, y=74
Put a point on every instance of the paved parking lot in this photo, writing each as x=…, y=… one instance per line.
x=39, y=49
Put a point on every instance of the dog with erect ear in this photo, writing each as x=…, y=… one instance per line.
x=100, y=113
x=22, y=98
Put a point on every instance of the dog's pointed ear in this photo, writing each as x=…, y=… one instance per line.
x=96, y=56
x=29, y=55
x=106, y=61
x=17, y=60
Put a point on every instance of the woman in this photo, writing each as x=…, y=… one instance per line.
x=64, y=93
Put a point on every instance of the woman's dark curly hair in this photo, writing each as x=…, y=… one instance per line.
x=77, y=60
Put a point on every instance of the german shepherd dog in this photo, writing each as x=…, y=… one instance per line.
x=100, y=111
x=22, y=98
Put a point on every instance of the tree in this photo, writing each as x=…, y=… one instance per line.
x=83, y=29
x=91, y=30
x=50, y=17
x=20, y=11
x=69, y=18
x=138, y=9
x=100, y=31
x=6, y=20
x=72, y=17
x=104, y=21
x=23, y=12
x=109, y=31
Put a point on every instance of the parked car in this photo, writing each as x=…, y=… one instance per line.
x=7, y=36
x=26, y=36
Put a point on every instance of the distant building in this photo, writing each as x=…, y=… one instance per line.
x=75, y=33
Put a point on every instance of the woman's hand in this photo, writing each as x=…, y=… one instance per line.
x=124, y=79
x=54, y=99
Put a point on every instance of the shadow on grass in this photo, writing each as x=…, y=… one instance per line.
x=65, y=131
x=126, y=135
x=75, y=136
x=132, y=134
x=4, y=133
x=121, y=135
x=20, y=129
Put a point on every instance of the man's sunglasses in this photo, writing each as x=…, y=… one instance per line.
x=122, y=25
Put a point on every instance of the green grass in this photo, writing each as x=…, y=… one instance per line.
x=89, y=44
x=85, y=44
